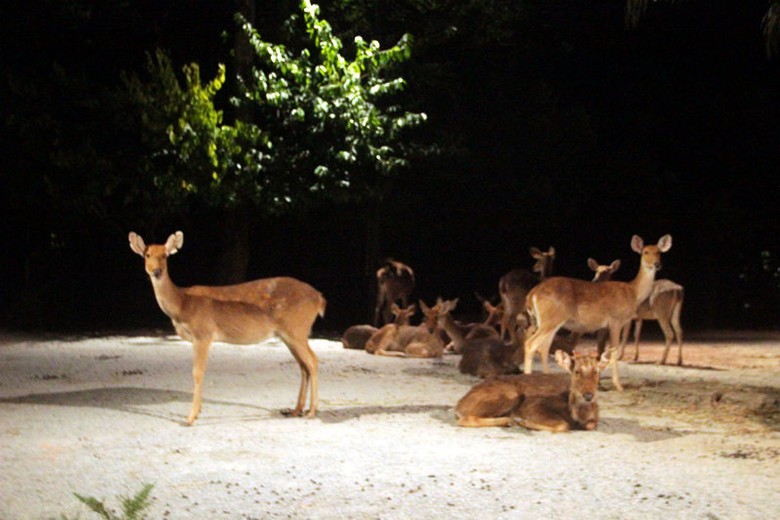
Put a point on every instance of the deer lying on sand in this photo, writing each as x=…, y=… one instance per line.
x=356, y=336
x=482, y=357
x=421, y=341
x=549, y=402
x=242, y=314
x=663, y=305
x=582, y=306
x=477, y=330
x=514, y=286
x=395, y=283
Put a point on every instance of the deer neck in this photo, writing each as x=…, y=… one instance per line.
x=169, y=297
x=643, y=283
x=452, y=331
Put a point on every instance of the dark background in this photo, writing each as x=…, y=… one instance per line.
x=558, y=127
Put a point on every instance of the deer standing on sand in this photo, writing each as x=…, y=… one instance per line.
x=242, y=314
x=514, y=286
x=663, y=305
x=356, y=336
x=582, y=306
x=547, y=402
x=395, y=283
x=420, y=341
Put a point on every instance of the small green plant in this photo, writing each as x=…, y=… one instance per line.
x=133, y=508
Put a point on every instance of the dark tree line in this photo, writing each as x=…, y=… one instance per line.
x=547, y=124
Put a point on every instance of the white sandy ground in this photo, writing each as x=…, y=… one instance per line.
x=101, y=416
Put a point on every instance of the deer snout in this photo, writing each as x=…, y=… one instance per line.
x=157, y=273
x=588, y=396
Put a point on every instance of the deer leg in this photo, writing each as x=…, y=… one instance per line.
x=637, y=333
x=614, y=338
x=482, y=422
x=666, y=327
x=200, y=350
x=540, y=341
x=623, y=340
x=678, y=332
x=307, y=361
x=554, y=426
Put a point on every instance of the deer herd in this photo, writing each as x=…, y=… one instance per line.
x=534, y=307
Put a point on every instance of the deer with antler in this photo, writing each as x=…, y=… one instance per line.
x=547, y=402
x=582, y=306
x=245, y=313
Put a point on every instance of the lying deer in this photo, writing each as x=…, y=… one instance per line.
x=356, y=336
x=421, y=341
x=476, y=330
x=482, y=357
x=395, y=283
x=581, y=306
x=242, y=314
x=663, y=305
x=548, y=402
x=514, y=286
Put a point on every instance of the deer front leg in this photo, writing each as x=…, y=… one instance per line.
x=637, y=333
x=200, y=352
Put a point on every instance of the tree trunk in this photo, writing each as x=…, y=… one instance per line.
x=234, y=251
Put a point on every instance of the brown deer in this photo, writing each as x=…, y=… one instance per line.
x=242, y=314
x=395, y=283
x=548, y=402
x=476, y=330
x=356, y=336
x=514, y=286
x=421, y=341
x=481, y=357
x=663, y=305
x=582, y=306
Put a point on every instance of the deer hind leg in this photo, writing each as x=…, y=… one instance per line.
x=200, y=350
x=678, y=332
x=614, y=340
x=540, y=341
x=666, y=327
x=471, y=421
x=547, y=425
x=637, y=333
x=308, y=363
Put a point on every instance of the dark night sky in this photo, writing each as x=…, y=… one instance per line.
x=673, y=127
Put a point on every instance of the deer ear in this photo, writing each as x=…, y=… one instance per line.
x=637, y=244
x=593, y=264
x=551, y=251
x=665, y=243
x=424, y=306
x=394, y=307
x=614, y=266
x=174, y=243
x=137, y=243
x=535, y=252
x=564, y=360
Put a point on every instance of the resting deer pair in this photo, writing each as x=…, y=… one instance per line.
x=548, y=402
x=245, y=313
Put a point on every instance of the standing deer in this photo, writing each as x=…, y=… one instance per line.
x=582, y=306
x=242, y=314
x=514, y=286
x=663, y=305
x=356, y=336
x=548, y=402
x=395, y=283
